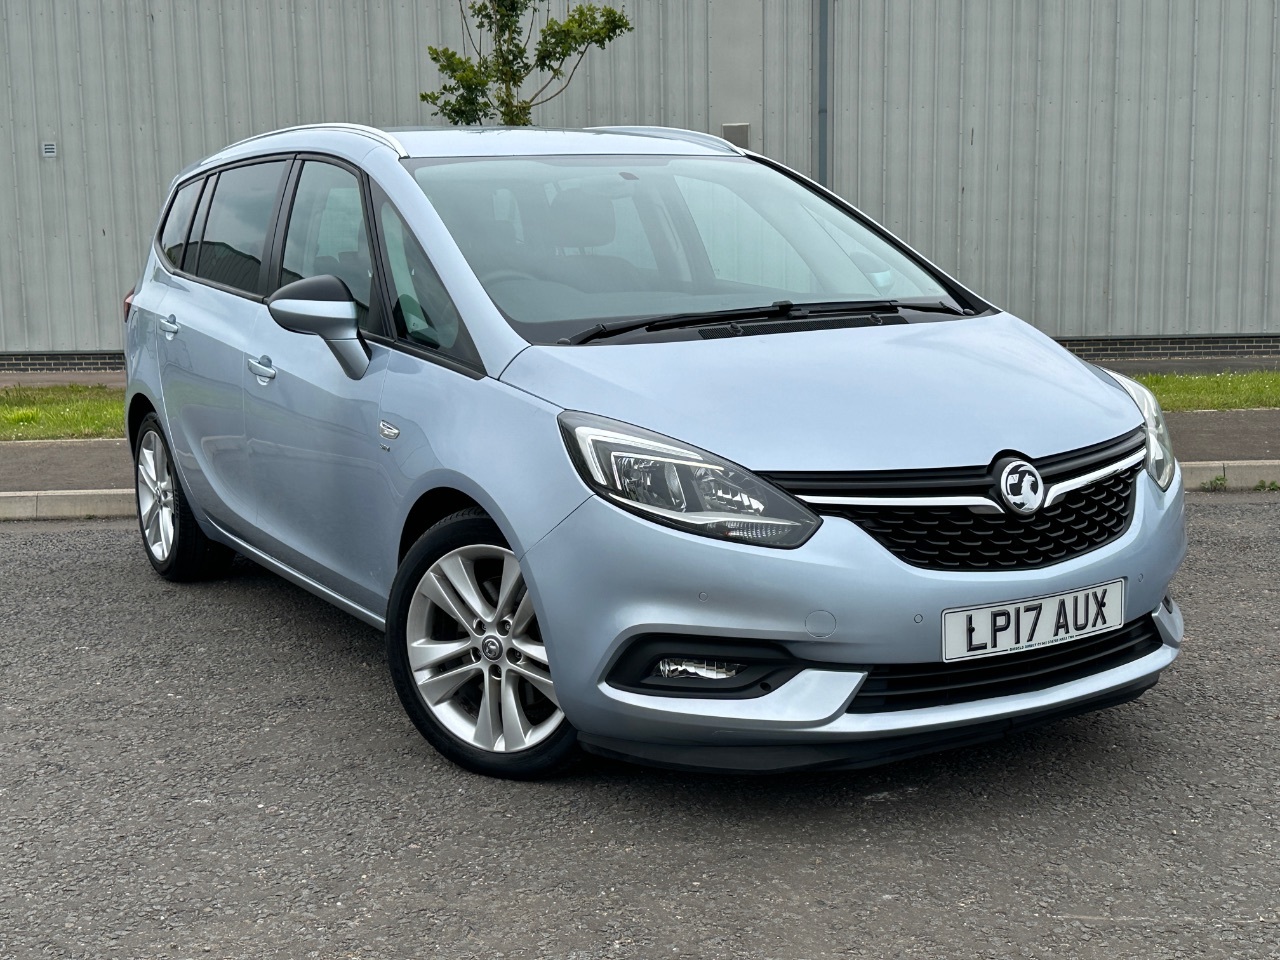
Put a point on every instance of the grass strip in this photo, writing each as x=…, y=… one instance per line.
x=61, y=413
x=90, y=412
x=1252, y=390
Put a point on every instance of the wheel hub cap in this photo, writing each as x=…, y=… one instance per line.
x=492, y=649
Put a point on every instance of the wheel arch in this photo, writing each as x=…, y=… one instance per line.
x=139, y=406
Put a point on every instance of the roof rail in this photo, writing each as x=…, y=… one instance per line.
x=373, y=133
x=675, y=133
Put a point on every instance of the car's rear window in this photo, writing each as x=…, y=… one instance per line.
x=235, y=234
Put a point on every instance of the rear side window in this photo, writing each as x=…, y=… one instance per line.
x=173, y=235
x=235, y=234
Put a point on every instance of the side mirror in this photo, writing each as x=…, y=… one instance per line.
x=323, y=306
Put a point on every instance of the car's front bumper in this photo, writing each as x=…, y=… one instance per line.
x=604, y=576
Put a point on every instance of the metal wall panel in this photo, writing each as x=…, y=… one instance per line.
x=1099, y=167
x=134, y=90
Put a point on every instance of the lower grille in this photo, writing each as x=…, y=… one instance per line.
x=911, y=686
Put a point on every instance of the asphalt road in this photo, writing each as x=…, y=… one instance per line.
x=223, y=770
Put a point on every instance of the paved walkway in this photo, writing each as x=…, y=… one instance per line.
x=65, y=465
x=1225, y=434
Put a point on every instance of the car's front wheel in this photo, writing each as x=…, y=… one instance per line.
x=467, y=657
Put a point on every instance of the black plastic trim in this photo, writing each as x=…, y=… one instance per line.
x=426, y=353
x=771, y=758
x=913, y=686
x=769, y=666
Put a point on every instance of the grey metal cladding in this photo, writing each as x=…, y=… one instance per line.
x=1098, y=167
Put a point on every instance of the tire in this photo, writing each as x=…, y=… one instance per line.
x=176, y=546
x=466, y=656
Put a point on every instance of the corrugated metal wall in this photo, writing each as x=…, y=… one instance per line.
x=133, y=90
x=1099, y=167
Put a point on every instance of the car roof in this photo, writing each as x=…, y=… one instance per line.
x=355, y=140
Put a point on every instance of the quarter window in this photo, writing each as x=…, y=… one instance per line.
x=327, y=233
x=235, y=235
x=173, y=235
x=421, y=307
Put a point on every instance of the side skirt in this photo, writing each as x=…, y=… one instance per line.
x=299, y=579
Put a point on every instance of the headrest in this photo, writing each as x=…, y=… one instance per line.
x=581, y=219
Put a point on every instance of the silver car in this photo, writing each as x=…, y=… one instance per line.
x=634, y=441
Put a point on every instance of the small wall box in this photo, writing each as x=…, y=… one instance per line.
x=48, y=149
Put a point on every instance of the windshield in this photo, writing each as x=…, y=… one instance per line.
x=563, y=242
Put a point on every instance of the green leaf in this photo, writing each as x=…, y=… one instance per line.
x=490, y=85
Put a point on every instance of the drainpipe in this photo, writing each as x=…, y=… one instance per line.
x=822, y=94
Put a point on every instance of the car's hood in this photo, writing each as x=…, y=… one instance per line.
x=954, y=393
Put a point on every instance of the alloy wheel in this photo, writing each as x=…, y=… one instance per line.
x=477, y=659
x=155, y=495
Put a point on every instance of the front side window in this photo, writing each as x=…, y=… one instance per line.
x=561, y=242
x=235, y=234
x=421, y=308
x=327, y=233
x=173, y=235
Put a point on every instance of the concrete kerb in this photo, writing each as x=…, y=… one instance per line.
x=1230, y=474
x=66, y=504
x=76, y=504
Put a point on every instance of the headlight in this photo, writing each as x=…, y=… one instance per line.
x=682, y=486
x=1160, y=462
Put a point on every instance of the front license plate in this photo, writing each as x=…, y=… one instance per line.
x=1027, y=624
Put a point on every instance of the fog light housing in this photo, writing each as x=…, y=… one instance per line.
x=669, y=667
x=677, y=665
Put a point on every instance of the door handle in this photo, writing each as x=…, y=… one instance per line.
x=168, y=327
x=262, y=369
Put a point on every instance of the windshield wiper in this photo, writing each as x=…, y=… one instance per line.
x=779, y=309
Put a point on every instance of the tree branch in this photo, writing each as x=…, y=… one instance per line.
x=466, y=25
x=552, y=76
x=535, y=102
x=528, y=34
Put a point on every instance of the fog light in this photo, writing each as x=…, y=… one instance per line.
x=670, y=667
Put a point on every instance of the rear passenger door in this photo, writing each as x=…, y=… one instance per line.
x=323, y=504
x=215, y=298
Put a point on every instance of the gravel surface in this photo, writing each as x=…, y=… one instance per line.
x=223, y=770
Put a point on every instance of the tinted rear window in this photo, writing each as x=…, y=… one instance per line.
x=235, y=235
x=173, y=235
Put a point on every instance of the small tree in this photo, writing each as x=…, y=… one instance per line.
x=487, y=84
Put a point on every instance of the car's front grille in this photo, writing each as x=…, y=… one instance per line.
x=932, y=534
x=957, y=538
x=911, y=686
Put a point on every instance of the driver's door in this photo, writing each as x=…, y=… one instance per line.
x=313, y=442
